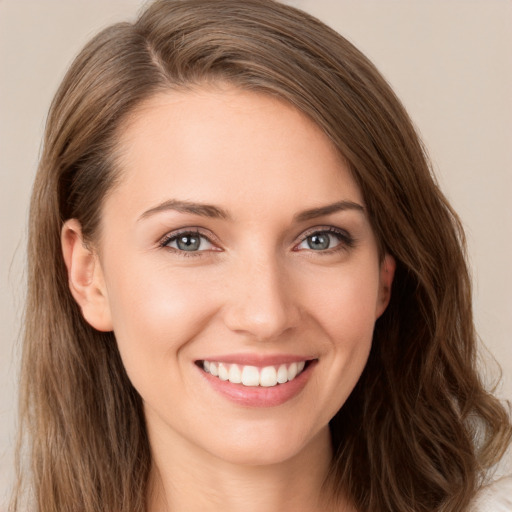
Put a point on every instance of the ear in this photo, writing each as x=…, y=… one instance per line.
x=85, y=277
x=387, y=273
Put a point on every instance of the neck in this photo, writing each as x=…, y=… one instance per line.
x=186, y=478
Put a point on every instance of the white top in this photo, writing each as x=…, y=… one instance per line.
x=495, y=497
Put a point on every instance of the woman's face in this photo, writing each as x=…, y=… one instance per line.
x=237, y=243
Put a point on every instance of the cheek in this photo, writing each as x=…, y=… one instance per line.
x=344, y=301
x=341, y=313
x=346, y=314
x=155, y=313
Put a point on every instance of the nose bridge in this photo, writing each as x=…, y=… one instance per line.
x=260, y=300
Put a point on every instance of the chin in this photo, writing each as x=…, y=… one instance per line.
x=266, y=445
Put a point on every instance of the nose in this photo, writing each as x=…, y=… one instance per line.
x=261, y=300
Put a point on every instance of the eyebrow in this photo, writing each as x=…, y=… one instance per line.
x=204, y=210
x=211, y=211
x=327, y=210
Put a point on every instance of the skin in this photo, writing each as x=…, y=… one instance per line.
x=254, y=287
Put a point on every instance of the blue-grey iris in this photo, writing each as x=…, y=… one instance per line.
x=188, y=242
x=319, y=242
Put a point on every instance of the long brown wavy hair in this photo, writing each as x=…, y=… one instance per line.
x=419, y=429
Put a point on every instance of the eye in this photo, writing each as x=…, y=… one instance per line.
x=323, y=240
x=188, y=241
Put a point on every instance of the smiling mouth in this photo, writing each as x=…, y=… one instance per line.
x=253, y=376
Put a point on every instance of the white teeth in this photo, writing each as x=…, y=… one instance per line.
x=282, y=374
x=235, y=375
x=253, y=376
x=223, y=372
x=292, y=371
x=250, y=376
x=268, y=377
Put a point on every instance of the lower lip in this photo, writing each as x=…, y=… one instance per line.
x=259, y=396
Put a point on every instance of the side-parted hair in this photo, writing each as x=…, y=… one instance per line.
x=419, y=429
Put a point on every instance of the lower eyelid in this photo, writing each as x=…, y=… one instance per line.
x=172, y=237
x=345, y=241
x=343, y=237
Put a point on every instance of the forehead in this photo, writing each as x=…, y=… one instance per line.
x=228, y=146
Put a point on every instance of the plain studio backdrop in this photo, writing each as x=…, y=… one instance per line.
x=450, y=62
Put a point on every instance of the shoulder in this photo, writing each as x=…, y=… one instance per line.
x=495, y=497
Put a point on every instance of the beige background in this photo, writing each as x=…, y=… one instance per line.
x=449, y=60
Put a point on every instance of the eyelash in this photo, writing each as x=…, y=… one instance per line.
x=345, y=239
x=171, y=237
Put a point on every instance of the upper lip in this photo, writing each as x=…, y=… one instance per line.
x=259, y=360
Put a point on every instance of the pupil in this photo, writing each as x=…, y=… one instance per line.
x=188, y=243
x=318, y=242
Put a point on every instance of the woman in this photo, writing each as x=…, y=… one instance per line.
x=245, y=289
